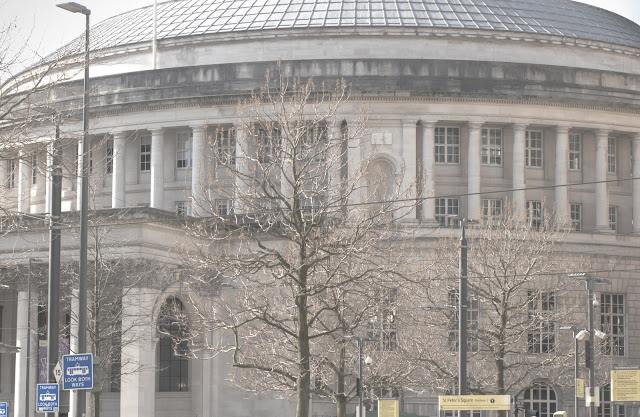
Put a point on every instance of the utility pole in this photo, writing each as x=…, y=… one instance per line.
x=592, y=304
x=360, y=340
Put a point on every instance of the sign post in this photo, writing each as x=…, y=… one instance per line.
x=47, y=398
x=77, y=371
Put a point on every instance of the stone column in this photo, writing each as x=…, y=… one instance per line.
x=79, y=176
x=118, y=183
x=602, y=195
x=409, y=176
x=21, y=357
x=333, y=168
x=473, y=170
x=24, y=183
x=519, y=181
x=198, y=170
x=242, y=185
x=428, y=174
x=562, y=165
x=47, y=180
x=157, y=169
x=636, y=183
x=137, y=397
x=355, y=176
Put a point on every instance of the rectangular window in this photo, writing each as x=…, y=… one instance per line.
x=492, y=146
x=223, y=206
x=183, y=149
x=268, y=145
x=313, y=205
x=109, y=154
x=534, y=213
x=612, y=323
x=611, y=156
x=447, y=145
x=533, y=148
x=382, y=324
x=473, y=316
x=613, y=218
x=575, y=151
x=576, y=217
x=492, y=212
x=145, y=153
x=11, y=172
x=34, y=169
x=226, y=147
x=182, y=208
x=542, y=334
x=446, y=207
x=316, y=144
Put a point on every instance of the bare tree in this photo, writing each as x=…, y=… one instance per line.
x=518, y=294
x=298, y=239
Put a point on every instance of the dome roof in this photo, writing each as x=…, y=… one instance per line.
x=563, y=18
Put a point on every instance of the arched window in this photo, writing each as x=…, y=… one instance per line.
x=542, y=398
x=173, y=365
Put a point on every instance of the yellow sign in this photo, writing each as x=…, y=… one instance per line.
x=625, y=385
x=580, y=388
x=388, y=408
x=475, y=402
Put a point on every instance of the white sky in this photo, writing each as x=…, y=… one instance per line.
x=48, y=27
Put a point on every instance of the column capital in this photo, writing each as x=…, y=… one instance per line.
x=562, y=129
x=428, y=124
x=200, y=128
x=474, y=125
x=410, y=122
x=600, y=133
x=119, y=134
x=519, y=126
x=157, y=131
x=635, y=136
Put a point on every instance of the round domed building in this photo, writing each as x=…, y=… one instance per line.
x=533, y=103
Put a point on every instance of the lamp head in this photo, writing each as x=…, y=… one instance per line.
x=600, y=335
x=582, y=335
x=74, y=8
x=368, y=360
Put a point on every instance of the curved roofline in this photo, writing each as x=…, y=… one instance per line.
x=184, y=18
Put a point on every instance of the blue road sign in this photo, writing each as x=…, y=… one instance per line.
x=47, y=398
x=3, y=409
x=77, y=371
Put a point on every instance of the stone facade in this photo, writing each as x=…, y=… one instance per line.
x=487, y=117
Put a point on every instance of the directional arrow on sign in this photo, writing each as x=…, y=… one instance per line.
x=57, y=372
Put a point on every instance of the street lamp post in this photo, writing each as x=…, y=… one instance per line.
x=28, y=353
x=462, y=309
x=576, y=354
x=84, y=200
x=592, y=303
x=360, y=340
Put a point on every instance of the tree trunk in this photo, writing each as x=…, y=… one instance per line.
x=303, y=383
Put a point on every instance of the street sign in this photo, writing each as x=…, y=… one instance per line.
x=579, y=387
x=625, y=385
x=475, y=402
x=47, y=398
x=77, y=371
x=57, y=372
x=3, y=409
x=388, y=408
